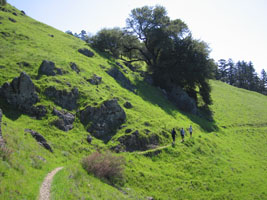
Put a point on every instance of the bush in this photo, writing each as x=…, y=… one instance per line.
x=105, y=166
x=5, y=153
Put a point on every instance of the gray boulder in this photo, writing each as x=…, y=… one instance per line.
x=23, y=64
x=74, y=67
x=63, y=98
x=22, y=12
x=40, y=139
x=38, y=111
x=48, y=68
x=86, y=52
x=65, y=120
x=128, y=105
x=136, y=142
x=89, y=139
x=148, y=79
x=95, y=80
x=20, y=92
x=12, y=20
x=121, y=79
x=103, y=121
x=181, y=99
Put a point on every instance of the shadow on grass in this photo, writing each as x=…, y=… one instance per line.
x=9, y=111
x=149, y=93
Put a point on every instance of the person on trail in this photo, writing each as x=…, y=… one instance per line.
x=182, y=134
x=190, y=130
x=173, y=135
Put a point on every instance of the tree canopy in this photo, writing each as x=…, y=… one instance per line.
x=241, y=74
x=173, y=56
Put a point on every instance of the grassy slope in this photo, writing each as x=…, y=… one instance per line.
x=220, y=163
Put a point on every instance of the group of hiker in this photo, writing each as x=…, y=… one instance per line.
x=182, y=133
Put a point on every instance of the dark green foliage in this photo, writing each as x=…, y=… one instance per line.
x=108, y=40
x=173, y=56
x=115, y=42
x=242, y=75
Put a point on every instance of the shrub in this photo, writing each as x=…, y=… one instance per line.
x=5, y=153
x=105, y=166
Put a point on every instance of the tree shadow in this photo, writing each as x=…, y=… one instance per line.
x=204, y=118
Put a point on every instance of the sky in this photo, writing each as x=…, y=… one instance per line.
x=234, y=29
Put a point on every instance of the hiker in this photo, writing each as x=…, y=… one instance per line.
x=182, y=134
x=173, y=135
x=190, y=130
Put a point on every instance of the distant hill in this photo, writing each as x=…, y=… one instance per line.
x=66, y=92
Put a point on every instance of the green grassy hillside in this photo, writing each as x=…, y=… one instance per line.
x=225, y=159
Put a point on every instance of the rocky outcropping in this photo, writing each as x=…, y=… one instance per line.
x=181, y=99
x=86, y=52
x=65, y=120
x=95, y=80
x=40, y=139
x=74, y=67
x=127, y=105
x=21, y=94
x=23, y=64
x=63, y=98
x=121, y=79
x=12, y=20
x=48, y=68
x=89, y=139
x=103, y=121
x=137, y=142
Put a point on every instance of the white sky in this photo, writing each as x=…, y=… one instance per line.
x=234, y=29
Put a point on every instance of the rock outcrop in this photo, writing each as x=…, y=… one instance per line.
x=48, y=68
x=23, y=64
x=74, y=67
x=65, y=120
x=63, y=98
x=181, y=99
x=12, y=20
x=127, y=105
x=95, y=80
x=21, y=94
x=86, y=52
x=89, y=139
x=40, y=139
x=121, y=79
x=103, y=121
x=137, y=142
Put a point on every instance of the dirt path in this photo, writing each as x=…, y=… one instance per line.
x=156, y=149
x=45, y=188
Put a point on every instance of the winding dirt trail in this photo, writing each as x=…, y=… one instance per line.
x=45, y=188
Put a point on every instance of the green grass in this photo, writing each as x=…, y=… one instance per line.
x=225, y=159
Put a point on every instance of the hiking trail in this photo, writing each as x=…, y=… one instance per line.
x=46, y=185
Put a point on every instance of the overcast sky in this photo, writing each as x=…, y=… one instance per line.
x=234, y=29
